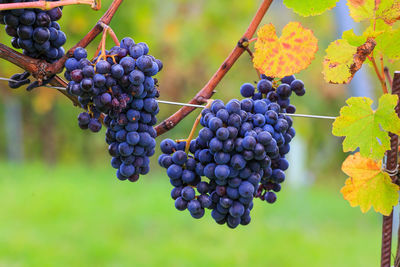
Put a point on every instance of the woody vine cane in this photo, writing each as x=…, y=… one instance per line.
x=392, y=167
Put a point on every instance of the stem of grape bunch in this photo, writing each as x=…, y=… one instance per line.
x=113, y=35
x=46, y=5
x=196, y=123
x=208, y=90
x=101, y=48
x=89, y=37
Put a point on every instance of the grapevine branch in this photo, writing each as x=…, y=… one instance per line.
x=46, y=5
x=196, y=123
x=207, y=91
x=391, y=164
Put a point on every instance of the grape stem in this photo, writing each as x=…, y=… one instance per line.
x=113, y=36
x=46, y=5
x=381, y=76
x=196, y=123
x=253, y=40
x=110, y=32
x=249, y=52
x=102, y=46
x=208, y=90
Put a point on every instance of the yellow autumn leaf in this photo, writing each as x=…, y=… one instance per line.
x=343, y=60
x=368, y=186
x=289, y=54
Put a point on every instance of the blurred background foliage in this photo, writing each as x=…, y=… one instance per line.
x=192, y=38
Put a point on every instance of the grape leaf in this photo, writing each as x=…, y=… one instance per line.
x=366, y=128
x=388, y=44
x=387, y=10
x=368, y=186
x=352, y=38
x=362, y=9
x=307, y=8
x=289, y=54
x=343, y=60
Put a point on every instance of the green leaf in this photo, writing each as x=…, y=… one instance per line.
x=352, y=38
x=307, y=8
x=366, y=128
x=343, y=60
x=388, y=44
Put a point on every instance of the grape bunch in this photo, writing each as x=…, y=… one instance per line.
x=239, y=153
x=118, y=89
x=35, y=31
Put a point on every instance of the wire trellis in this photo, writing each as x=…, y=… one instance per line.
x=194, y=105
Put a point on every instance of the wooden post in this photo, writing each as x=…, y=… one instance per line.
x=391, y=165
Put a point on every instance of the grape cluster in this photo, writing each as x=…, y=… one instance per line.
x=239, y=153
x=35, y=31
x=119, y=89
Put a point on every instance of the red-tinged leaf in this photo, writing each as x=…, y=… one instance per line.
x=289, y=54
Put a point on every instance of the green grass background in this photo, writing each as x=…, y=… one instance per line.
x=76, y=216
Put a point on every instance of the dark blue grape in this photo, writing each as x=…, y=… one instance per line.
x=179, y=157
x=260, y=107
x=176, y=192
x=222, y=171
x=236, y=210
x=80, y=53
x=246, y=189
x=247, y=90
x=127, y=42
x=194, y=206
x=270, y=197
x=180, y=203
x=94, y=125
x=233, y=106
x=288, y=79
x=103, y=67
x=264, y=86
x=188, y=193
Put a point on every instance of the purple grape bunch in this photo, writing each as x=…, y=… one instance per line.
x=238, y=155
x=119, y=90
